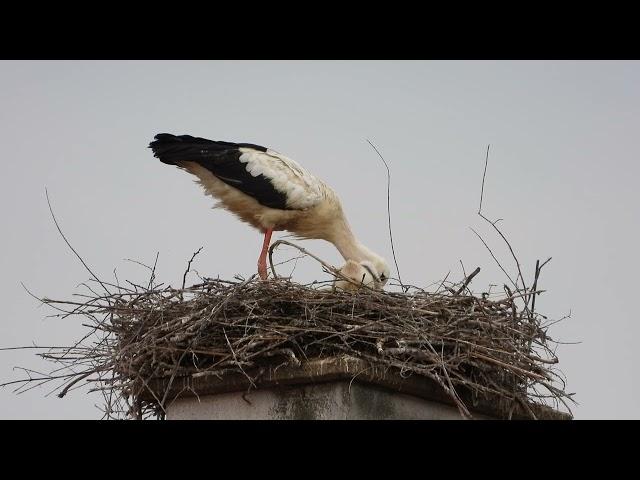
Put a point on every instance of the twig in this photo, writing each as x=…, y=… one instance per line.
x=494, y=257
x=486, y=162
x=493, y=225
x=467, y=281
x=236, y=359
x=153, y=271
x=389, y=211
x=69, y=245
x=535, y=283
x=184, y=277
x=328, y=268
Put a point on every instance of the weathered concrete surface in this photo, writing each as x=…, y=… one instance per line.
x=323, y=401
x=316, y=389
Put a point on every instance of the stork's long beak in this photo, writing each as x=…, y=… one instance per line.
x=377, y=283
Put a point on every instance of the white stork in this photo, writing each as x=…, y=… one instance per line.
x=270, y=192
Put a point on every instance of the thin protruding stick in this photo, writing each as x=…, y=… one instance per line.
x=486, y=161
x=184, y=277
x=73, y=249
x=493, y=224
x=494, y=257
x=330, y=269
x=468, y=280
x=535, y=282
x=302, y=250
x=393, y=251
x=153, y=272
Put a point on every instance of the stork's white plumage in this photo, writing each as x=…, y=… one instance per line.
x=270, y=192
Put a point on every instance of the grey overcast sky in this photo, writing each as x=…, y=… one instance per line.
x=563, y=170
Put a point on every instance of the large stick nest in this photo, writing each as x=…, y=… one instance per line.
x=473, y=347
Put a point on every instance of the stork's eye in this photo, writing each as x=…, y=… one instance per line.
x=383, y=277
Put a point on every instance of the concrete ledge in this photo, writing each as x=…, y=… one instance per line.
x=340, y=400
x=305, y=382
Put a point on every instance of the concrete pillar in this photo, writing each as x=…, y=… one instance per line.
x=320, y=401
x=333, y=388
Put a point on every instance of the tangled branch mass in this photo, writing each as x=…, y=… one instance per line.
x=476, y=348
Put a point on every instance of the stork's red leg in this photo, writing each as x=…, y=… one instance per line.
x=262, y=261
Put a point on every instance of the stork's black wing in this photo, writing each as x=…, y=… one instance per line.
x=222, y=159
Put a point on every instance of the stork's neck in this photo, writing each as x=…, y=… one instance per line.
x=349, y=246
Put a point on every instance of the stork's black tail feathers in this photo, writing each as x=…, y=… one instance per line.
x=171, y=149
x=222, y=159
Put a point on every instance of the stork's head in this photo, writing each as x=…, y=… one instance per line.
x=378, y=269
x=373, y=263
x=357, y=275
